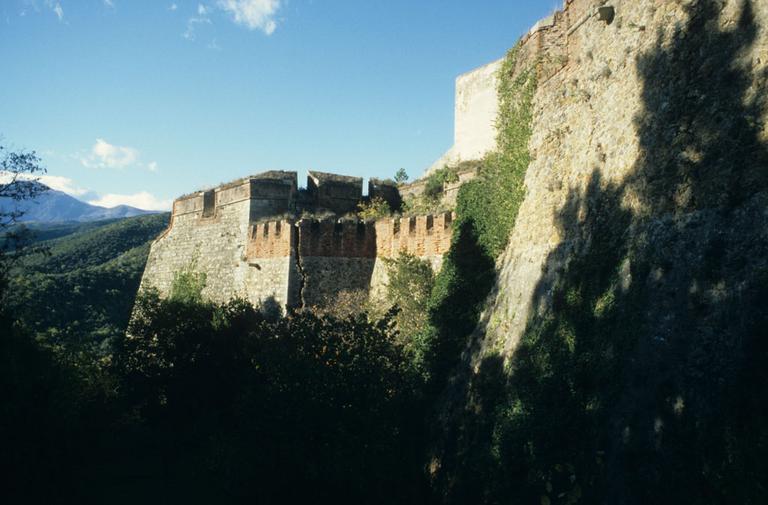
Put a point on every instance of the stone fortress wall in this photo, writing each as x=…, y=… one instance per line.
x=245, y=238
x=248, y=241
x=225, y=234
x=476, y=102
x=207, y=234
x=475, y=110
x=591, y=97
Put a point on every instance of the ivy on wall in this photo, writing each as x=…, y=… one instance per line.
x=492, y=200
x=486, y=211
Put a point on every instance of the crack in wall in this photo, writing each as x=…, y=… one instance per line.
x=299, y=266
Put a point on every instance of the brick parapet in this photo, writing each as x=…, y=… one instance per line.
x=330, y=238
x=550, y=44
x=270, y=239
x=422, y=236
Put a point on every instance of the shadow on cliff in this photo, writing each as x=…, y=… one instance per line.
x=461, y=288
x=643, y=373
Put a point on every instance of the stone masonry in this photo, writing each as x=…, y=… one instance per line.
x=247, y=240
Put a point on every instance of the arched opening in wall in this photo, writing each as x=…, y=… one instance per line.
x=209, y=203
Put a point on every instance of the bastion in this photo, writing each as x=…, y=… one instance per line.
x=250, y=239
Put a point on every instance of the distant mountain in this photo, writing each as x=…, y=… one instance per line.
x=55, y=206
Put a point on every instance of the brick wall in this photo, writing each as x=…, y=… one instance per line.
x=270, y=239
x=328, y=238
x=421, y=236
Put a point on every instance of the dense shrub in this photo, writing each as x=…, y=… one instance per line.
x=376, y=208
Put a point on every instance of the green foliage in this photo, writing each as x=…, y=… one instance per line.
x=409, y=288
x=187, y=285
x=91, y=246
x=79, y=291
x=41, y=232
x=216, y=403
x=401, y=176
x=298, y=408
x=419, y=205
x=430, y=201
x=376, y=208
x=435, y=182
x=21, y=171
x=486, y=211
x=492, y=200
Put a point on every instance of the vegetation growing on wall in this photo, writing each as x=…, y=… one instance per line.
x=376, y=208
x=434, y=183
x=485, y=214
x=188, y=284
x=492, y=200
x=409, y=286
x=430, y=200
x=638, y=376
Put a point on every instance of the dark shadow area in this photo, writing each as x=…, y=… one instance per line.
x=466, y=279
x=271, y=309
x=644, y=378
x=208, y=403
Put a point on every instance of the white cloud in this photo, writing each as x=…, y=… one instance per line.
x=63, y=184
x=37, y=6
x=105, y=155
x=109, y=3
x=57, y=182
x=253, y=14
x=142, y=200
x=202, y=18
x=152, y=166
x=56, y=8
x=173, y=7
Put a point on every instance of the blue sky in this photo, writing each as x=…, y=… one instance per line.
x=139, y=101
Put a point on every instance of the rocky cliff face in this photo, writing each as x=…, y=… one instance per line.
x=663, y=112
x=621, y=351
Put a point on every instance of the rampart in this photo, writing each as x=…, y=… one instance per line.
x=544, y=47
x=227, y=233
x=234, y=235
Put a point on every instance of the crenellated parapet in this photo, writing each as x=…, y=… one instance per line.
x=422, y=236
x=332, y=238
x=248, y=241
x=270, y=239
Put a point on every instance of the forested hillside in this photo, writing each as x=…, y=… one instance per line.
x=80, y=287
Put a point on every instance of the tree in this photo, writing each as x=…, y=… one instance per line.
x=288, y=410
x=376, y=208
x=19, y=172
x=401, y=176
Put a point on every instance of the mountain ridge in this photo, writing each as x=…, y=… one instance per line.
x=53, y=206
